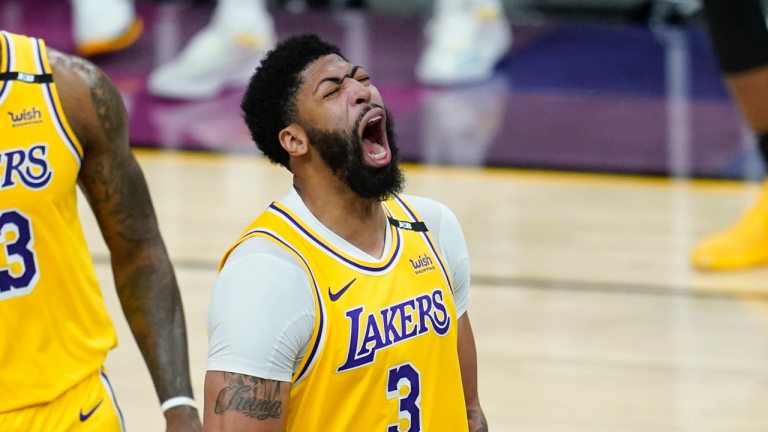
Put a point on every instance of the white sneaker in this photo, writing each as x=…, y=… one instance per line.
x=215, y=59
x=464, y=46
x=102, y=26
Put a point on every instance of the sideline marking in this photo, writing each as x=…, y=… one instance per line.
x=565, y=178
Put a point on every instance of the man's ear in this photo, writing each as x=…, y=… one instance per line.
x=294, y=140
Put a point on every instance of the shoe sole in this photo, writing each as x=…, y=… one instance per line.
x=432, y=80
x=106, y=46
x=207, y=88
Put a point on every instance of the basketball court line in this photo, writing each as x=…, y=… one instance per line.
x=581, y=286
x=542, y=283
x=574, y=178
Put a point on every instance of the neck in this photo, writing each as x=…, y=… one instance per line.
x=361, y=222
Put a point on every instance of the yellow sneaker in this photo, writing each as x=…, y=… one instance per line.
x=745, y=244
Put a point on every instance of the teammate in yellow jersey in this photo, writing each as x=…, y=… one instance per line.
x=63, y=123
x=343, y=307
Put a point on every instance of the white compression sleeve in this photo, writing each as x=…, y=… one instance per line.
x=263, y=287
x=261, y=314
x=454, y=249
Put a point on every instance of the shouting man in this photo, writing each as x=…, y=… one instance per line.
x=343, y=306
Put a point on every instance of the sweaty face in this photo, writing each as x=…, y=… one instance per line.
x=346, y=122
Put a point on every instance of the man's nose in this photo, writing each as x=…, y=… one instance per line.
x=361, y=94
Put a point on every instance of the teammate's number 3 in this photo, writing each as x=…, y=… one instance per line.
x=405, y=375
x=19, y=274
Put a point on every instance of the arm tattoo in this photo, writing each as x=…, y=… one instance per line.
x=108, y=105
x=115, y=187
x=253, y=397
x=110, y=176
x=477, y=422
x=121, y=188
x=73, y=64
x=106, y=99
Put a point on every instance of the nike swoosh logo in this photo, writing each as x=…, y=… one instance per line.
x=84, y=417
x=341, y=292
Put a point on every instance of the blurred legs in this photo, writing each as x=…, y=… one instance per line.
x=102, y=26
x=465, y=40
x=740, y=38
x=223, y=54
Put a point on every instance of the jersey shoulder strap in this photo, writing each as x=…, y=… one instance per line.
x=25, y=73
x=23, y=58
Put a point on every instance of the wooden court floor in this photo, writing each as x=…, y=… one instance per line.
x=586, y=312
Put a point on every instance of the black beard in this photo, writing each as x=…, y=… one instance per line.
x=342, y=151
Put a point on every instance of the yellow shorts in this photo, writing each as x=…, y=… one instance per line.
x=88, y=406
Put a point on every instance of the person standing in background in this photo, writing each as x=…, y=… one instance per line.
x=740, y=38
x=465, y=41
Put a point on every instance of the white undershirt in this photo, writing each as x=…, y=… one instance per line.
x=262, y=310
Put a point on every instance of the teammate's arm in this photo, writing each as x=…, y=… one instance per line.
x=113, y=182
x=239, y=403
x=468, y=364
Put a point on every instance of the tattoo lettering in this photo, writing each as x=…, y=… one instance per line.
x=253, y=397
x=477, y=422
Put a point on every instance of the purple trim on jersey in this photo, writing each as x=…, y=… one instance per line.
x=114, y=399
x=336, y=254
x=427, y=240
x=10, y=60
x=316, y=346
x=48, y=94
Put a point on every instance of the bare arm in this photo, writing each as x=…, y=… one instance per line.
x=240, y=403
x=115, y=187
x=468, y=364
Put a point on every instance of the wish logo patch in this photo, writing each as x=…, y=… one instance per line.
x=422, y=264
x=27, y=117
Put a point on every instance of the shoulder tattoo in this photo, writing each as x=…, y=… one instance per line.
x=106, y=99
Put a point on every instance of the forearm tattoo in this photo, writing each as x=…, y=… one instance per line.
x=477, y=422
x=253, y=397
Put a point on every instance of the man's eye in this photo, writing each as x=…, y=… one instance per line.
x=331, y=93
x=364, y=78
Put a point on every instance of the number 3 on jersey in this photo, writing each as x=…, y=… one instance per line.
x=18, y=262
x=405, y=375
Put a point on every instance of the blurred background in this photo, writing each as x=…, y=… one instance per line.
x=586, y=146
x=620, y=86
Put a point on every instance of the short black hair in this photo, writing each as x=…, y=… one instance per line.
x=269, y=103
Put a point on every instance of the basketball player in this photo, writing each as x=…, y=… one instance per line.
x=63, y=123
x=343, y=306
x=740, y=38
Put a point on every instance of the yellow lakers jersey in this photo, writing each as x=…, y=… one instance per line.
x=54, y=327
x=383, y=355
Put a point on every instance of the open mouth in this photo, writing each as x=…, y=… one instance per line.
x=373, y=137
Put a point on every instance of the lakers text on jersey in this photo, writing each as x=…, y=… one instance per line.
x=383, y=356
